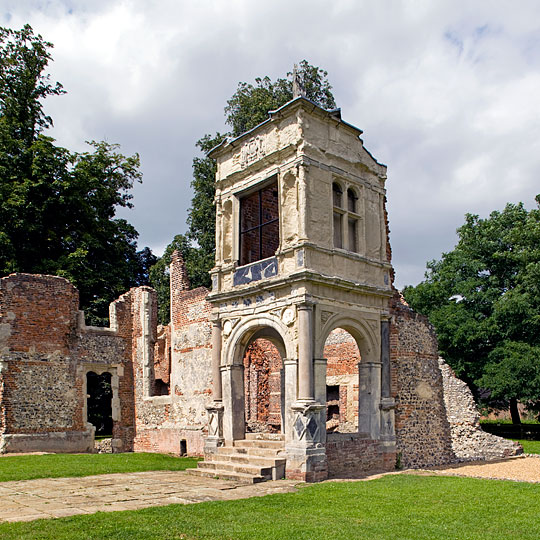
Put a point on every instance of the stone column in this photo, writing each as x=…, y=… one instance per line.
x=387, y=406
x=369, y=397
x=234, y=426
x=216, y=359
x=306, y=454
x=320, y=392
x=305, y=353
x=290, y=371
x=215, y=409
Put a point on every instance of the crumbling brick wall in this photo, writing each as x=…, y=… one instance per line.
x=176, y=422
x=45, y=352
x=422, y=429
x=262, y=386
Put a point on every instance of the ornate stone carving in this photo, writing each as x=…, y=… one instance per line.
x=253, y=150
x=288, y=315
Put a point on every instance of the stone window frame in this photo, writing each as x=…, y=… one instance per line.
x=256, y=188
x=116, y=372
x=344, y=219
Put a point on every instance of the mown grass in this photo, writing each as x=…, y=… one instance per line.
x=394, y=507
x=69, y=465
x=529, y=447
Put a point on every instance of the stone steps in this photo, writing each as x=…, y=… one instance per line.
x=258, y=457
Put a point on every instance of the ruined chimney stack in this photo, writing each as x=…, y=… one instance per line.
x=178, y=273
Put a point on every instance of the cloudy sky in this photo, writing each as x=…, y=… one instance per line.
x=447, y=93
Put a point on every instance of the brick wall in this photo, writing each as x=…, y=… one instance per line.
x=351, y=456
x=163, y=422
x=262, y=378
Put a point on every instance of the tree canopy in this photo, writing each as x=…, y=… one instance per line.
x=57, y=207
x=247, y=108
x=484, y=300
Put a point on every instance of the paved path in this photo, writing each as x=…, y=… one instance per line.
x=59, y=497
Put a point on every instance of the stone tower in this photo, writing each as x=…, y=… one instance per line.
x=301, y=249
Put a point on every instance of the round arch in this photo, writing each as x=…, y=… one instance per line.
x=266, y=326
x=363, y=335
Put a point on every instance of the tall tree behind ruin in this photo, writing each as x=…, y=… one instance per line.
x=484, y=300
x=247, y=108
x=57, y=207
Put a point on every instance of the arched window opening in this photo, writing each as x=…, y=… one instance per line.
x=336, y=194
x=343, y=356
x=99, y=402
x=351, y=200
x=263, y=387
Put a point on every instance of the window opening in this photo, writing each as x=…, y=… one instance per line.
x=259, y=224
x=336, y=194
x=338, y=234
x=353, y=241
x=351, y=200
x=99, y=402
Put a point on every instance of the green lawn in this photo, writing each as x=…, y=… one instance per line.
x=63, y=465
x=529, y=447
x=393, y=507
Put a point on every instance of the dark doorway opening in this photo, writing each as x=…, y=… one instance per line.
x=99, y=402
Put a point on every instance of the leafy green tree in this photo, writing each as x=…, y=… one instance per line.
x=247, y=108
x=57, y=208
x=250, y=104
x=484, y=300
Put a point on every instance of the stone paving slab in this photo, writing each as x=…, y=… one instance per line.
x=28, y=500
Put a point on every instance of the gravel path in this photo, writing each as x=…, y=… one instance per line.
x=520, y=469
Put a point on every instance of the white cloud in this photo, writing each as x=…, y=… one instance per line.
x=446, y=93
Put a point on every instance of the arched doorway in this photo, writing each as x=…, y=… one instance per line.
x=263, y=369
x=342, y=382
x=99, y=402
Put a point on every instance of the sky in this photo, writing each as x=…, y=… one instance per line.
x=447, y=93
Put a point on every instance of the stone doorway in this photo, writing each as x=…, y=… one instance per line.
x=343, y=356
x=99, y=402
x=263, y=391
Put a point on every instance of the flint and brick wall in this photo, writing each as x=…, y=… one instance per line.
x=422, y=428
x=45, y=351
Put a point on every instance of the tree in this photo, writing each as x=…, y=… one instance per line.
x=484, y=300
x=250, y=104
x=247, y=108
x=57, y=207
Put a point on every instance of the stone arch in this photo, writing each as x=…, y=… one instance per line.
x=369, y=368
x=267, y=326
x=362, y=333
x=258, y=326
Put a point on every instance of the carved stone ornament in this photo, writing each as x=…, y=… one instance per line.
x=325, y=315
x=288, y=316
x=227, y=328
x=253, y=150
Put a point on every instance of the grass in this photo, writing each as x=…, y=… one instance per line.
x=529, y=447
x=69, y=465
x=394, y=507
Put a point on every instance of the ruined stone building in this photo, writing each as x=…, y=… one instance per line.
x=302, y=360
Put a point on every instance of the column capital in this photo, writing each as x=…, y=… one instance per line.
x=305, y=305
